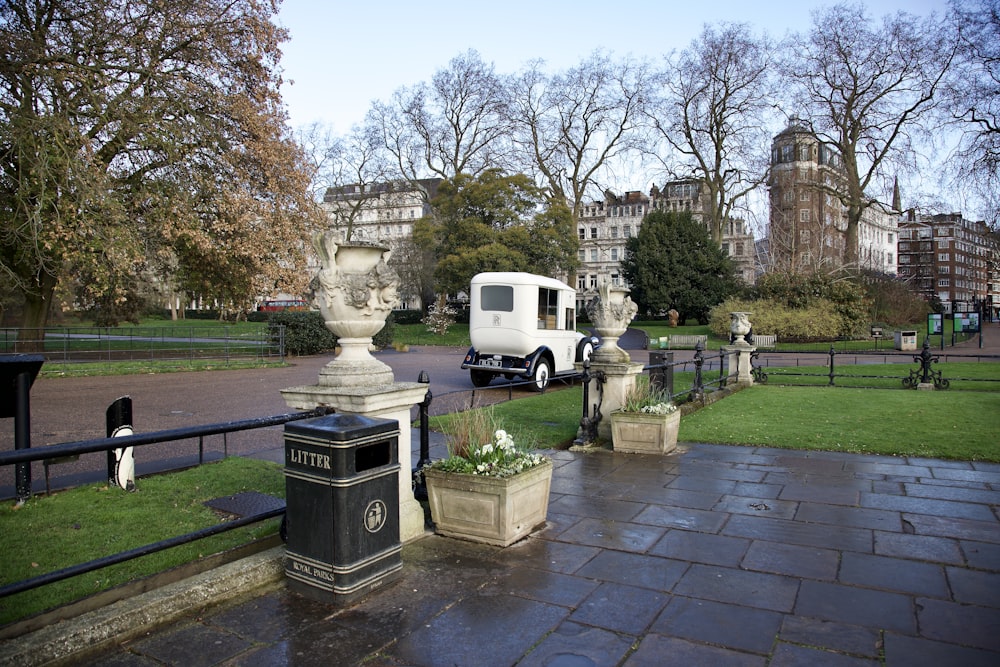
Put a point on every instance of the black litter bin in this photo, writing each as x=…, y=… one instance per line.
x=342, y=506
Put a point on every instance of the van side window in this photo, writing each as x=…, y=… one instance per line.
x=570, y=324
x=548, y=308
x=497, y=297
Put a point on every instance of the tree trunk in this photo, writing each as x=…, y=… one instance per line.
x=37, y=306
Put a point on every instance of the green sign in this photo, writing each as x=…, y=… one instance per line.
x=966, y=322
x=934, y=324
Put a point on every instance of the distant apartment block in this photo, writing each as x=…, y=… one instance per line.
x=949, y=258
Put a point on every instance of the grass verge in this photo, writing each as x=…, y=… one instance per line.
x=49, y=533
x=936, y=424
x=54, y=369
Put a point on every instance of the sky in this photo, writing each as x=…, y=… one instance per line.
x=343, y=55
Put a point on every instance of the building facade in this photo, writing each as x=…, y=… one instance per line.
x=808, y=224
x=947, y=258
x=604, y=227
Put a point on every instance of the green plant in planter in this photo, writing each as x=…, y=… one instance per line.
x=645, y=398
x=478, y=445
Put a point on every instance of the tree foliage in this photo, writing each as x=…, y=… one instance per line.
x=865, y=88
x=710, y=108
x=144, y=135
x=973, y=96
x=673, y=263
x=495, y=222
x=572, y=125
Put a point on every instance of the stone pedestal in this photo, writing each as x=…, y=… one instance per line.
x=741, y=370
x=619, y=378
x=392, y=401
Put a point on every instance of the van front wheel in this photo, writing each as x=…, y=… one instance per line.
x=540, y=377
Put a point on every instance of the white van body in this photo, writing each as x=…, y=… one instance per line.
x=523, y=326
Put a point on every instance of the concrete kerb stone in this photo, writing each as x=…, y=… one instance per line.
x=59, y=643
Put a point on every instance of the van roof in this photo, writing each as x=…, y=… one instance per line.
x=518, y=278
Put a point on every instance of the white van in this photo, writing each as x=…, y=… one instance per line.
x=523, y=326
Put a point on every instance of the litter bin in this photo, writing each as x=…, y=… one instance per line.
x=906, y=340
x=342, y=506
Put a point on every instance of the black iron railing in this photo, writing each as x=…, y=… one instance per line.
x=105, y=444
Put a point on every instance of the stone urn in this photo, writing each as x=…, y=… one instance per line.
x=355, y=291
x=611, y=311
x=740, y=326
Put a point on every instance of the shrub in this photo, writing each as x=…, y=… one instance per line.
x=440, y=317
x=407, y=316
x=305, y=332
x=384, y=337
x=816, y=322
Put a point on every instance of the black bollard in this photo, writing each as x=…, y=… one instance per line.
x=121, y=465
x=419, y=486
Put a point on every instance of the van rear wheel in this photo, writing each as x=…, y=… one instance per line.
x=540, y=376
x=481, y=378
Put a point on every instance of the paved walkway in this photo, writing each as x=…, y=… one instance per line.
x=713, y=555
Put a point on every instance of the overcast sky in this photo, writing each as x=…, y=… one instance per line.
x=345, y=54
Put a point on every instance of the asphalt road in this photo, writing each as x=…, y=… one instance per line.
x=73, y=409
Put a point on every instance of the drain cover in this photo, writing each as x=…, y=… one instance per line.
x=247, y=503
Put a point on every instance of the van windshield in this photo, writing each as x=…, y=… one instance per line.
x=497, y=297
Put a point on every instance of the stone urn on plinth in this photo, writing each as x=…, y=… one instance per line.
x=355, y=291
x=740, y=326
x=611, y=311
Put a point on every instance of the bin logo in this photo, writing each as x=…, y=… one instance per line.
x=375, y=516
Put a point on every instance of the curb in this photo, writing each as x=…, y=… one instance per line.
x=127, y=619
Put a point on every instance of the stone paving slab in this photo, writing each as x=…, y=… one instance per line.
x=662, y=561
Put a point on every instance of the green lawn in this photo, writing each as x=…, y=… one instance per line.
x=939, y=424
x=49, y=533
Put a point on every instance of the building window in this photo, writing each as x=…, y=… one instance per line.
x=593, y=254
x=944, y=282
x=725, y=248
x=582, y=255
x=804, y=215
x=614, y=254
x=628, y=231
x=943, y=257
x=615, y=280
x=581, y=282
x=614, y=232
x=593, y=282
x=739, y=249
x=593, y=232
x=804, y=235
x=804, y=195
x=583, y=233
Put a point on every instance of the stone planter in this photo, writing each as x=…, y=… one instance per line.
x=642, y=433
x=492, y=510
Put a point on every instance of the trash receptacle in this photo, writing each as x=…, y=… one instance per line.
x=342, y=506
x=906, y=340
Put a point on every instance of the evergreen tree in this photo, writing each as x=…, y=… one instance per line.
x=673, y=263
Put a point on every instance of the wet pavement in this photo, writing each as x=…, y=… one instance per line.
x=712, y=555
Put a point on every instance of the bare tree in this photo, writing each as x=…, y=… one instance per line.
x=866, y=88
x=572, y=125
x=974, y=101
x=128, y=127
x=711, y=111
x=351, y=173
x=456, y=124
